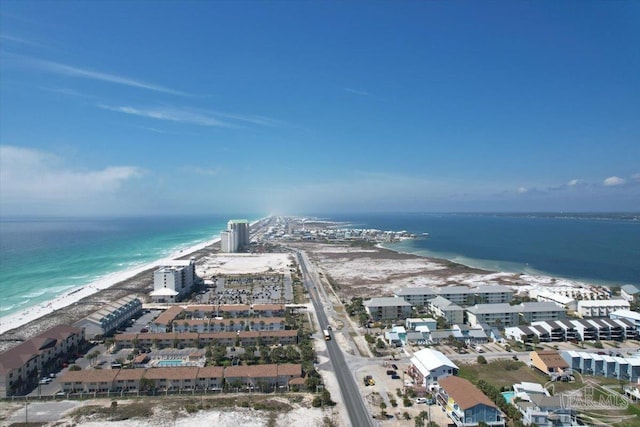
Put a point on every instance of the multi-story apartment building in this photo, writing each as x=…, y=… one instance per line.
x=387, y=308
x=256, y=377
x=173, y=280
x=493, y=314
x=451, y=312
x=21, y=366
x=460, y=295
x=110, y=317
x=236, y=237
x=601, y=308
x=537, y=311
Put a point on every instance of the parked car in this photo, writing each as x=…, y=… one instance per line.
x=394, y=366
x=420, y=400
x=391, y=372
x=45, y=380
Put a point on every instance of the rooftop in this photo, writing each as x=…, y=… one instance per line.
x=387, y=302
x=464, y=393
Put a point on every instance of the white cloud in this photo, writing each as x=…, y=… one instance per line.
x=575, y=183
x=71, y=71
x=522, y=190
x=33, y=176
x=357, y=92
x=613, y=181
x=170, y=114
x=202, y=171
x=195, y=117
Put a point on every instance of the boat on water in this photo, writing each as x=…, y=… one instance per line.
x=425, y=234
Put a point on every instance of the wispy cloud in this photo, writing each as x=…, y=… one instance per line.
x=71, y=71
x=19, y=40
x=198, y=117
x=170, y=114
x=34, y=175
x=202, y=171
x=66, y=91
x=614, y=181
x=522, y=190
x=576, y=183
x=356, y=91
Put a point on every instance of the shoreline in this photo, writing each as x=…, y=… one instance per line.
x=482, y=265
x=74, y=295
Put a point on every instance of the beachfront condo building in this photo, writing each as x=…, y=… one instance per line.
x=173, y=280
x=236, y=237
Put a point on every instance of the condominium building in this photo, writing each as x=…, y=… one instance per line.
x=460, y=295
x=387, y=308
x=259, y=377
x=451, y=312
x=21, y=366
x=173, y=280
x=236, y=237
x=537, y=311
x=493, y=314
x=622, y=368
x=575, y=330
x=110, y=317
x=601, y=308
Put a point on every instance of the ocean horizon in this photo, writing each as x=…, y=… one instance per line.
x=42, y=258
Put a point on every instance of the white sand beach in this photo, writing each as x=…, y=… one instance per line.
x=27, y=315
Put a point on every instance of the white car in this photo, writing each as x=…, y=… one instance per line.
x=421, y=400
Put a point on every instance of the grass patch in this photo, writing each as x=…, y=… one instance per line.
x=501, y=373
x=141, y=409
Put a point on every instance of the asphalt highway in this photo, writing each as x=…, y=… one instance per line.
x=353, y=400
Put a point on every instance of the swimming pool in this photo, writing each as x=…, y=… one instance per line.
x=169, y=363
x=508, y=396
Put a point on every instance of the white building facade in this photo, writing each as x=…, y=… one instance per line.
x=173, y=280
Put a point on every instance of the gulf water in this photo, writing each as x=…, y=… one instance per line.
x=596, y=248
x=41, y=258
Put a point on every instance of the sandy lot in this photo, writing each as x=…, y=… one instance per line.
x=244, y=264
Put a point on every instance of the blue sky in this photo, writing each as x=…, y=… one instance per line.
x=167, y=107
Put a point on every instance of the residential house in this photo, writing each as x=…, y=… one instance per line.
x=430, y=366
x=549, y=362
x=466, y=405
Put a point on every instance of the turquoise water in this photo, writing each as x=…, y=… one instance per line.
x=169, y=363
x=508, y=395
x=43, y=258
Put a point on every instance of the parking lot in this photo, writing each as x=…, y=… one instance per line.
x=386, y=388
